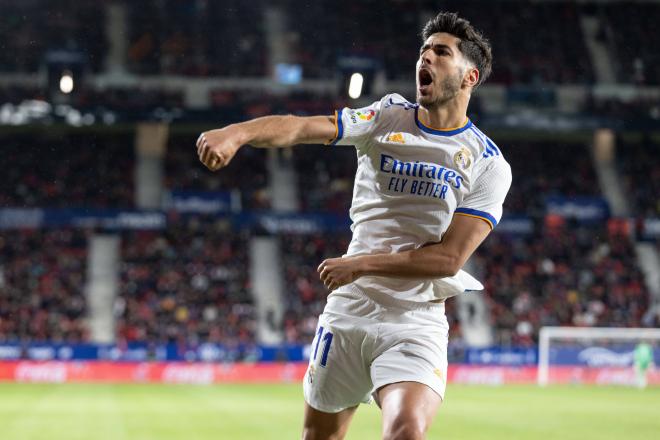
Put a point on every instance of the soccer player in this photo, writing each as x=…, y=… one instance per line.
x=428, y=190
x=642, y=362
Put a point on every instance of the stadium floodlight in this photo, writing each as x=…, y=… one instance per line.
x=595, y=348
x=355, y=85
x=66, y=82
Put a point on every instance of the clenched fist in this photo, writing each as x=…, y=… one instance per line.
x=336, y=272
x=216, y=148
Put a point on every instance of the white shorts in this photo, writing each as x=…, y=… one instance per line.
x=365, y=342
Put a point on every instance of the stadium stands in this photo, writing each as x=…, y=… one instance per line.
x=306, y=294
x=42, y=277
x=228, y=38
x=196, y=38
x=569, y=173
x=67, y=170
x=376, y=33
x=188, y=285
x=566, y=274
x=325, y=177
x=31, y=30
x=636, y=54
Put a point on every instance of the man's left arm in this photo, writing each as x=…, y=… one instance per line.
x=434, y=260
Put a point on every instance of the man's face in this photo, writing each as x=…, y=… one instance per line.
x=441, y=68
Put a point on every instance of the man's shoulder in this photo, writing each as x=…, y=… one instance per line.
x=394, y=110
x=486, y=152
x=397, y=102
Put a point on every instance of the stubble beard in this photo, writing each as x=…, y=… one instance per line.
x=449, y=89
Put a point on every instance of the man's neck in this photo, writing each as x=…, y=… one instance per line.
x=452, y=114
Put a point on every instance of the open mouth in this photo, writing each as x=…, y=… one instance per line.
x=425, y=78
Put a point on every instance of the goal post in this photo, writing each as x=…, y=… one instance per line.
x=592, y=338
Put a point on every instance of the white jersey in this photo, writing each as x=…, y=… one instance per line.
x=410, y=181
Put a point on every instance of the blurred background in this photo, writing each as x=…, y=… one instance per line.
x=123, y=260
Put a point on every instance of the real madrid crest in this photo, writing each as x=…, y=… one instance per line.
x=463, y=158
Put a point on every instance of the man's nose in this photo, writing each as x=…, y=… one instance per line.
x=426, y=58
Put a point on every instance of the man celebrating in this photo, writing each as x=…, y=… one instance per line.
x=428, y=190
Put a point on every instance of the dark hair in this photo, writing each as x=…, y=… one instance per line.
x=473, y=45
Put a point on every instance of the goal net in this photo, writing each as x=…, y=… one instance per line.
x=602, y=356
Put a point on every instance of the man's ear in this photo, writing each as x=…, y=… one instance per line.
x=471, y=77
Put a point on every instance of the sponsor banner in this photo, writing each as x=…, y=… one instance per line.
x=199, y=373
x=138, y=352
x=211, y=204
x=619, y=355
x=200, y=202
x=482, y=375
x=598, y=376
x=613, y=355
x=13, y=218
x=515, y=225
x=151, y=372
x=584, y=209
x=292, y=223
x=501, y=356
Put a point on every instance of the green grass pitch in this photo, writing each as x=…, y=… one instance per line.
x=164, y=412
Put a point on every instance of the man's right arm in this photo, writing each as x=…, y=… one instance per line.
x=216, y=148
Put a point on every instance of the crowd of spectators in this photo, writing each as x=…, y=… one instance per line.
x=627, y=27
x=188, y=285
x=30, y=30
x=41, y=286
x=57, y=170
x=390, y=37
x=563, y=275
x=191, y=283
x=228, y=38
x=305, y=293
x=570, y=173
x=197, y=38
x=325, y=177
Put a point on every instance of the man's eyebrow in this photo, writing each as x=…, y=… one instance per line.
x=428, y=46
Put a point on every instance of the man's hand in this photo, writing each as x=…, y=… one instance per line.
x=216, y=148
x=336, y=272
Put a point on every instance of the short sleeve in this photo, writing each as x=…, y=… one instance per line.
x=487, y=194
x=353, y=125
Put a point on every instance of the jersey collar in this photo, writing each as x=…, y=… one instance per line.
x=441, y=132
